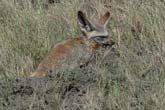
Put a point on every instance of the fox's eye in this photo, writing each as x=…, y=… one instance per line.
x=103, y=36
x=100, y=38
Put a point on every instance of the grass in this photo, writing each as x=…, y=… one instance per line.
x=130, y=78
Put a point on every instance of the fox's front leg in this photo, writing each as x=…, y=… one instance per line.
x=84, y=63
x=92, y=53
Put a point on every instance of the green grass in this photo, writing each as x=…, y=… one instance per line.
x=134, y=78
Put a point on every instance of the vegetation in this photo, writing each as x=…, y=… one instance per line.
x=130, y=77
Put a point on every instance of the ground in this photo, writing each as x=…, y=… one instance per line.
x=129, y=76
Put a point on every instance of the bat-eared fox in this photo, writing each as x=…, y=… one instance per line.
x=77, y=51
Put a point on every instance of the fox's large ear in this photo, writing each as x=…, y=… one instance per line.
x=85, y=25
x=104, y=19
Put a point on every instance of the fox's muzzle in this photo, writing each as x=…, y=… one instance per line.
x=108, y=44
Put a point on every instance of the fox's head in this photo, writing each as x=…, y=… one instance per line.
x=95, y=31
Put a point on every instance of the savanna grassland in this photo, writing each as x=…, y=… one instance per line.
x=130, y=76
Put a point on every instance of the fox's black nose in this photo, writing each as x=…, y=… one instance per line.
x=108, y=44
x=112, y=43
